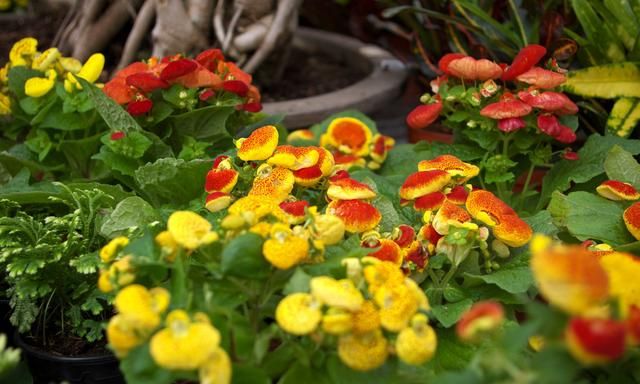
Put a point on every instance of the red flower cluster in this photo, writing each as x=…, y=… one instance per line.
x=511, y=107
x=132, y=86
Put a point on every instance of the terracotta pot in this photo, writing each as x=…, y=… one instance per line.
x=379, y=88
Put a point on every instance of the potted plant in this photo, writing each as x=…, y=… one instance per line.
x=51, y=259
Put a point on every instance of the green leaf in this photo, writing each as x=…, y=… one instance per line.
x=133, y=144
x=620, y=165
x=138, y=368
x=452, y=354
x=449, y=313
x=608, y=81
x=624, y=116
x=79, y=153
x=113, y=114
x=244, y=374
x=514, y=276
x=87, y=263
x=591, y=217
x=18, y=76
x=132, y=212
x=242, y=257
x=203, y=123
x=173, y=181
x=598, y=31
x=299, y=282
x=542, y=222
x=590, y=165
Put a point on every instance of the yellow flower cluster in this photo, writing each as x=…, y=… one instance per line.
x=341, y=308
x=52, y=66
x=186, y=343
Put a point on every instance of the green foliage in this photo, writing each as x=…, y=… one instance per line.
x=607, y=81
x=52, y=263
x=172, y=181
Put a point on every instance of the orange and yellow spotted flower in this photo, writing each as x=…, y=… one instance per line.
x=449, y=214
x=310, y=176
x=422, y=183
x=631, y=218
x=221, y=180
x=294, y=158
x=386, y=250
x=284, y=249
x=358, y=216
x=457, y=168
x=570, y=277
x=273, y=183
x=622, y=270
x=617, y=190
x=348, y=135
x=349, y=189
x=260, y=145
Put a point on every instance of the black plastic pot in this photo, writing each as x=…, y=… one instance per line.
x=48, y=368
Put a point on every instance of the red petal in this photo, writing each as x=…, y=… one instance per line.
x=117, y=135
x=146, y=82
x=140, y=107
x=210, y=58
x=178, y=68
x=407, y=234
x=511, y=124
x=524, y=60
x=294, y=208
x=218, y=160
x=548, y=124
x=565, y=135
x=250, y=107
x=423, y=115
x=444, y=62
x=206, y=94
x=235, y=86
x=600, y=338
x=506, y=109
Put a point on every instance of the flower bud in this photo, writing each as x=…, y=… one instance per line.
x=595, y=341
x=482, y=317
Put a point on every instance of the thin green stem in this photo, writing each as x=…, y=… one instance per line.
x=526, y=185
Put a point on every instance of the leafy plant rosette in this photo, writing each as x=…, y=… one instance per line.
x=516, y=122
x=300, y=268
x=49, y=120
x=51, y=262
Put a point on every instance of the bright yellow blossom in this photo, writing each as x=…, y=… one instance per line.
x=183, y=344
x=398, y=304
x=4, y=74
x=119, y=272
x=337, y=321
x=45, y=60
x=92, y=68
x=416, y=344
x=284, y=249
x=382, y=273
x=217, y=368
x=252, y=208
x=190, y=230
x=40, y=86
x=122, y=336
x=22, y=51
x=367, y=319
x=168, y=245
x=5, y=105
x=623, y=271
x=109, y=251
x=363, y=352
x=259, y=145
x=336, y=293
x=298, y=313
x=142, y=307
x=328, y=228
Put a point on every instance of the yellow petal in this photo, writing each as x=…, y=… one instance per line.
x=92, y=69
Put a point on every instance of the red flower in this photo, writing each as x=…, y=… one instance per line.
x=524, y=61
x=542, y=78
x=483, y=316
x=250, y=107
x=550, y=125
x=236, y=86
x=206, y=94
x=469, y=68
x=405, y=236
x=507, y=107
x=424, y=115
x=178, y=68
x=139, y=107
x=294, y=208
x=566, y=135
x=341, y=174
x=117, y=135
x=146, y=82
x=118, y=89
x=445, y=60
x=210, y=58
x=571, y=156
x=595, y=340
x=219, y=159
x=511, y=124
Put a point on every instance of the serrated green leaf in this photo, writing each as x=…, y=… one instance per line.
x=87, y=263
x=449, y=313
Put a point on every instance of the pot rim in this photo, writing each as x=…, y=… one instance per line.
x=382, y=83
x=41, y=354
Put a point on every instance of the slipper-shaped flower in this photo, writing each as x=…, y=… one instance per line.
x=358, y=216
x=429, y=202
x=349, y=189
x=457, y=168
x=260, y=144
x=542, y=78
x=272, y=183
x=221, y=180
x=294, y=158
x=595, y=341
x=617, y=190
x=217, y=201
x=348, y=135
x=631, y=218
x=424, y=182
x=386, y=250
x=336, y=293
x=447, y=215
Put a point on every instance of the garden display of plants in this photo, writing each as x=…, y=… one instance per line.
x=159, y=228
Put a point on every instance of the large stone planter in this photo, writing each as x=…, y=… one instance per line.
x=383, y=84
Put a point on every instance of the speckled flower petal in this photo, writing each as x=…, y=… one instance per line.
x=217, y=201
x=423, y=182
x=429, y=202
x=294, y=158
x=349, y=189
x=275, y=184
x=221, y=180
x=448, y=213
x=358, y=216
x=260, y=145
x=631, y=218
x=387, y=250
x=455, y=167
x=349, y=135
x=617, y=190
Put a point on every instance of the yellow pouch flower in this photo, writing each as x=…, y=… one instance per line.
x=416, y=344
x=190, y=230
x=109, y=251
x=141, y=307
x=217, y=368
x=363, y=352
x=22, y=51
x=45, y=60
x=39, y=86
x=298, y=314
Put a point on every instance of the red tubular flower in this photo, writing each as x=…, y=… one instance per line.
x=458, y=195
x=511, y=124
x=233, y=72
x=468, y=68
x=570, y=155
x=423, y=116
x=566, y=135
x=524, y=60
x=118, y=89
x=250, y=107
x=549, y=124
x=507, y=107
x=405, y=236
x=542, y=78
x=139, y=107
x=483, y=316
x=178, y=68
x=445, y=60
x=210, y=58
x=595, y=341
x=146, y=82
x=429, y=202
x=235, y=86
x=117, y=135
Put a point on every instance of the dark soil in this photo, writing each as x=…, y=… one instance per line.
x=68, y=345
x=13, y=27
x=306, y=75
